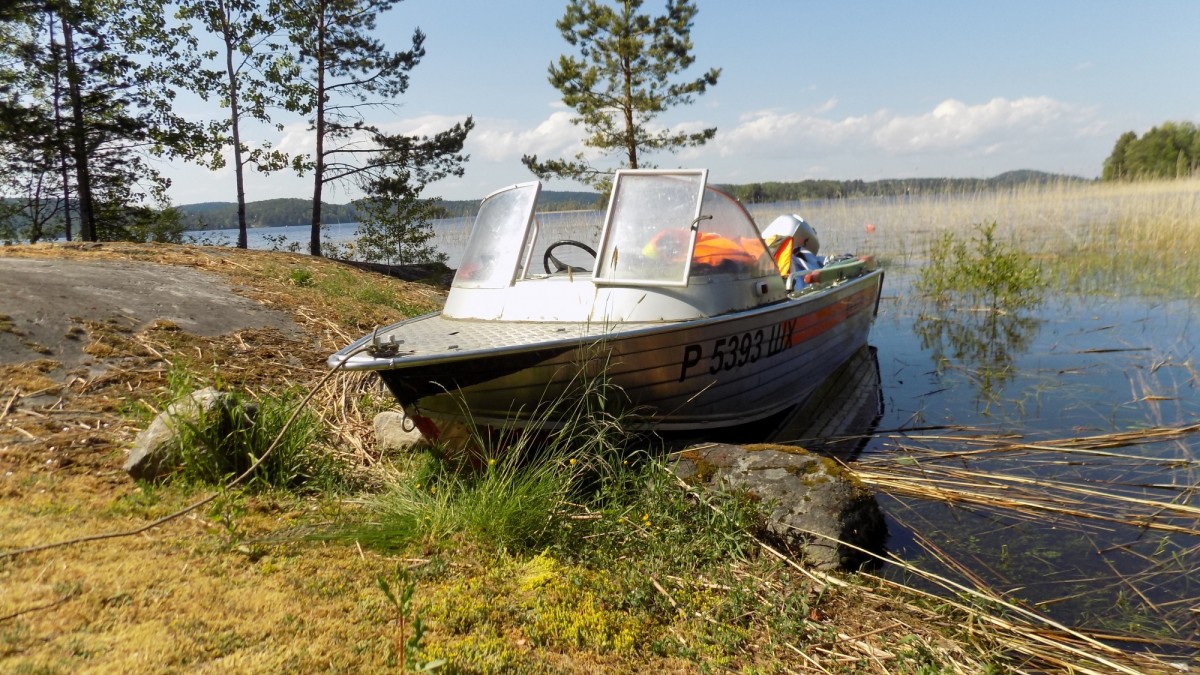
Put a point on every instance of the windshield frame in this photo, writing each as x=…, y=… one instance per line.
x=638, y=198
x=493, y=255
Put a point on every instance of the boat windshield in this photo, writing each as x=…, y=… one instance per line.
x=728, y=241
x=498, y=237
x=647, y=232
x=665, y=227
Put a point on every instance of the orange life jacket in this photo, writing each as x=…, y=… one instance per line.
x=711, y=249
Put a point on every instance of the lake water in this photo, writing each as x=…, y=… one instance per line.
x=450, y=234
x=1102, y=535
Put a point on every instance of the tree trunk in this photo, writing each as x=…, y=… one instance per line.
x=60, y=137
x=630, y=137
x=314, y=245
x=83, y=178
x=239, y=167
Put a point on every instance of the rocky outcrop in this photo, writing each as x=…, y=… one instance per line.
x=156, y=450
x=816, y=510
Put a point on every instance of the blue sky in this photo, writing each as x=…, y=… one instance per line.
x=808, y=90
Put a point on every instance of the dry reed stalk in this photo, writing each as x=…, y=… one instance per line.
x=1022, y=630
x=1072, y=225
x=952, y=474
x=927, y=473
x=915, y=485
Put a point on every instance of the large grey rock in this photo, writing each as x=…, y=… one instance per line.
x=395, y=432
x=815, y=507
x=155, y=451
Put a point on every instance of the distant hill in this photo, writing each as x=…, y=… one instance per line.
x=278, y=212
x=549, y=200
x=293, y=211
x=266, y=213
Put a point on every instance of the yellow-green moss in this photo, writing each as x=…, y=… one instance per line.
x=569, y=610
x=475, y=654
x=473, y=603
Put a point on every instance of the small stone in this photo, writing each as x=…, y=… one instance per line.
x=153, y=454
x=395, y=432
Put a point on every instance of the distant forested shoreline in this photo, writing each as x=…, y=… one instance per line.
x=284, y=212
x=296, y=211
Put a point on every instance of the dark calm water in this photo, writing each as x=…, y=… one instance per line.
x=1076, y=367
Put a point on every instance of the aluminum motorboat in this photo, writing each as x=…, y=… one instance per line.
x=677, y=302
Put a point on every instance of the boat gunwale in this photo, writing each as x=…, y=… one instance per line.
x=623, y=330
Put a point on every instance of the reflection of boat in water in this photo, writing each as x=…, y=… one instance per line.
x=837, y=418
x=683, y=310
x=841, y=414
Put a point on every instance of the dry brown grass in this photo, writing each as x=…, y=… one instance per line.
x=189, y=595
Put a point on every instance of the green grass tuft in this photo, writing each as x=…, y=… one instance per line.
x=991, y=273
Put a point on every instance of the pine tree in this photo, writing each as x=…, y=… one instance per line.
x=88, y=84
x=343, y=73
x=622, y=79
x=395, y=223
x=246, y=85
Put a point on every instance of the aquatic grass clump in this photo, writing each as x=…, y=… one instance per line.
x=973, y=293
x=991, y=274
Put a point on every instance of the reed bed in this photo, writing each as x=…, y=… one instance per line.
x=1142, y=236
x=1120, y=513
x=1132, y=236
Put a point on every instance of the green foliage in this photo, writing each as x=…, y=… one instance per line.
x=621, y=81
x=245, y=85
x=141, y=223
x=342, y=283
x=506, y=505
x=89, y=87
x=642, y=506
x=336, y=71
x=1171, y=150
x=509, y=490
x=395, y=226
x=300, y=276
x=992, y=274
x=402, y=600
x=233, y=438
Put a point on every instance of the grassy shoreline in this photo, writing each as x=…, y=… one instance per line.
x=662, y=582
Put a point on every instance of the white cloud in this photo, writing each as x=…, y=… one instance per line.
x=502, y=140
x=776, y=133
x=827, y=105
x=952, y=126
x=296, y=139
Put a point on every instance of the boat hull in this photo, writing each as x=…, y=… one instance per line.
x=690, y=375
